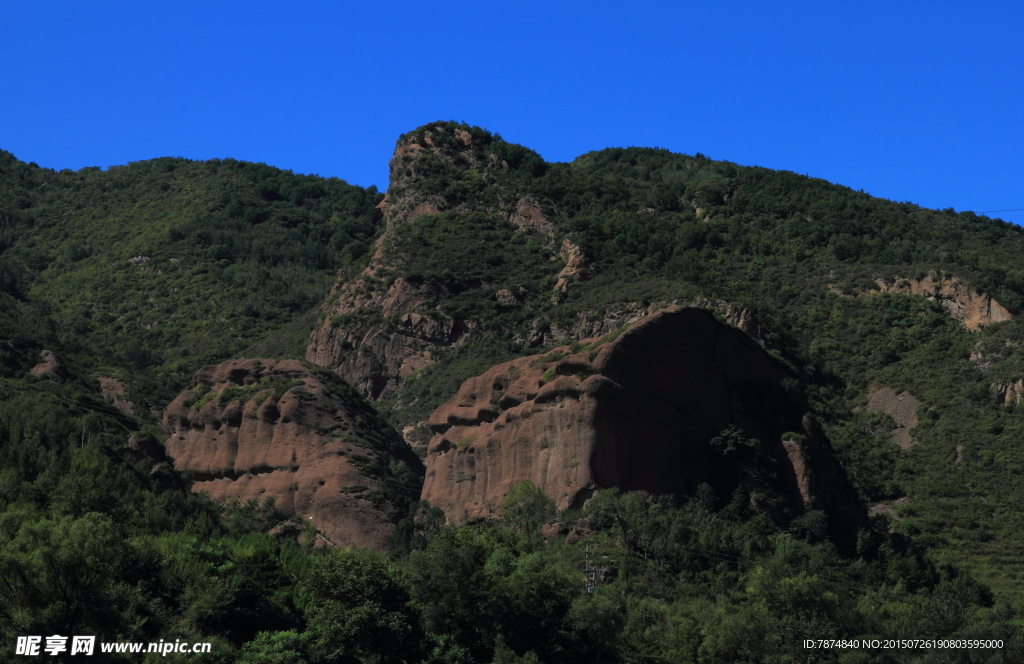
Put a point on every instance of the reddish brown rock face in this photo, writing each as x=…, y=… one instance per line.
x=635, y=412
x=368, y=352
x=257, y=428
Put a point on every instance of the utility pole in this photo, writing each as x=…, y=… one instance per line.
x=590, y=575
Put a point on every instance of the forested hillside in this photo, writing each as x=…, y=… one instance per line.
x=170, y=264
x=481, y=253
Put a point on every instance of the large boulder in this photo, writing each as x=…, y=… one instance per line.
x=637, y=410
x=250, y=429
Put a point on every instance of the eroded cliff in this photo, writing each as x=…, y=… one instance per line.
x=250, y=429
x=638, y=410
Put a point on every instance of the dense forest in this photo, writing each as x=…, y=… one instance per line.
x=149, y=271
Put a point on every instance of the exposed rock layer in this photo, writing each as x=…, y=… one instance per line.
x=356, y=339
x=1010, y=392
x=635, y=412
x=257, y=428
x=973, y=309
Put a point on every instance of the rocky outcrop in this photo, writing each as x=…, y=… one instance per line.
x=251, y=429
x=376, y=329
x=820, y=481
x=902, y=408
x=374, y=337
x=113, y=392
x=438, y=150
x=964, y=303
x=49, y=367
x=529, y=218
x=574, y=270
x=1010, y=392
x=637, y=410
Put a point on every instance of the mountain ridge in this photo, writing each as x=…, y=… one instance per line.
x=482, y=256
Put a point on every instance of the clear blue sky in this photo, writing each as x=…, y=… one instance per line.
x=919, y=101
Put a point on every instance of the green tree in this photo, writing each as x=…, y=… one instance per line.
x=532, y=605
x=448, y=651
x=358, y=612
x=452, y=588
x=276, y=648
x=60, y=575
x=526, y=508
x=505, y=655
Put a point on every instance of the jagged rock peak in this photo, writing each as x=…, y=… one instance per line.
x=250, y=429
x=448, y=165
x=376, y=328
x=575, y=269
